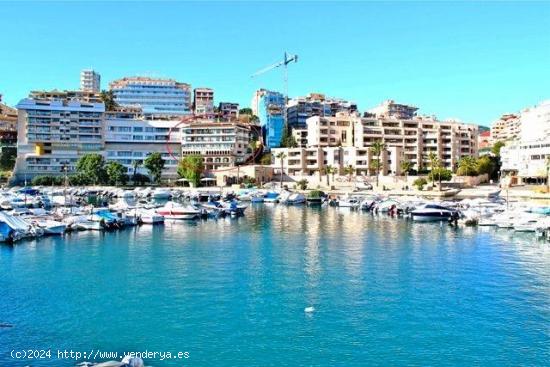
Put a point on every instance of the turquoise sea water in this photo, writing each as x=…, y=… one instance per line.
x=232, y=292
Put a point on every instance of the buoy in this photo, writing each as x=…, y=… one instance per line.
x=309, y=309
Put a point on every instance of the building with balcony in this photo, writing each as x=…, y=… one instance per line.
x=526, y=155
x=269, y=106
x=506, y=128
x=347, y=139
x=67, y=95
x=203, y=102
x=90, y=81
x=391, y=109
x=129, y=139
x=158, y=98
x=221, y=144
x=8, y=127
x=228, y=111
x=331, y=131
x=54, y=133
x=315, y=104
x=8, y=117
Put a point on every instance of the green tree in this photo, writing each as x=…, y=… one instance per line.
x=302, y=184
x=154, y=164
x=7, y=158
x=419, y=183
x=245, y=111
x=377, y=148
x=440, y=174
x=92, y=166
x=281, y=156
x=287, y=139
x=485, y=165
x=116, y=173
x=435, y=163
x=406, y=167
x=108, y=99
x=135, y=166
x=329, y=170
x=467, y=166
x=191, y=168
x=266, y=159
x=496, y=148
x=349, y=170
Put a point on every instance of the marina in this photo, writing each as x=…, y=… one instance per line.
x=32, y=212
x=349, y=286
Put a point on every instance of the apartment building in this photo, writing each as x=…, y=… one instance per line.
x=158, y=98
x=506, y=128
x=391, y=109
x=224, y=144
x=299, y=109
x=269, y=106
x=90, y=81
x=346, y=139
x=311, y=160
x=526, y=155
x=8, y=126
x=228, y=111
x=66, y=95
x=8, y=117
x=419, y=137
x=55, y=133
x=129, y=139
x=203, y=102
x=331, y=131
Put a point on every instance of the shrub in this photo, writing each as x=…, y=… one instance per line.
x=47, y=180
x=315, y=194
x=446, y=175
x=419, y=183
x=302, y=184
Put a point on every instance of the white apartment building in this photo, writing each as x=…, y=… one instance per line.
x=90, y=81
x=346, y=139
x=221, y=145
x=526, y=156
x=129, y=139
x=506, y=128
x=53, y=134
x=158, y=98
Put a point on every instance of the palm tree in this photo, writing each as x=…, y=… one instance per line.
x=377, y=148
x=281, y=156
x=406, y=167
x=349, y=170
x=434, y=163
x=329, y=170
x=135, y=165
x=467, y=166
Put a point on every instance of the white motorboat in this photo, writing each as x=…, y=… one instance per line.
x=349, y=202
x=160, y=193
x=49, y=226
x=527, y=223
x=176, y=211
x=148, y=216
x=292, y=198
x=433, y=212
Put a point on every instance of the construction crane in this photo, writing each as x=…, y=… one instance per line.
x=287, y=60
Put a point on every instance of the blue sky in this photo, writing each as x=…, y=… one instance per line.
x=472, y=61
